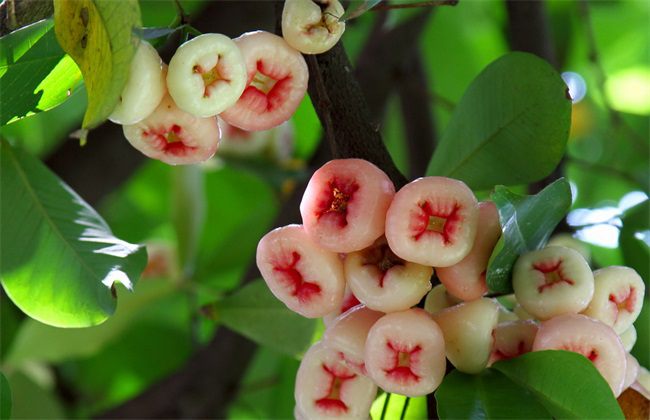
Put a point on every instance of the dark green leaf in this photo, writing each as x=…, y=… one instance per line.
x=510, y=127
x=63, y=260
x=255, y=313
x=488, y=395
x=641, y=349
x=31, y=399
x=527, y=222
x=566, y=383
x=357, y=8
x=35, y=73
x=102, y=37
x=5, y=398
x=188, y=213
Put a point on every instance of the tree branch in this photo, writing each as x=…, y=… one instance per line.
x=381, y=7
x=529, y=30
x=15, y=14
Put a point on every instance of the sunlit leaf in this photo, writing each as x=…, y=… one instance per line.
x=488, y=395
x=566, y=383
x=35, y=73
x=59, y=259
x=527, y=222
x=101, y=36
x=510, y=127
x=255, y=313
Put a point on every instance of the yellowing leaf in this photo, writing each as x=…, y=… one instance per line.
x=101, y=36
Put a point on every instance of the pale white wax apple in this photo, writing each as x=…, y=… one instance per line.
x=304, y=276
x=590, y=337
x=384, y=282
x=405, y=353
x=433, y=221
x=327, y=388
x=173, y=136
x=552, y=281
x=467, y=328
x=206, y=75
x=145, y=87
x=618, y=297
x=312, y=26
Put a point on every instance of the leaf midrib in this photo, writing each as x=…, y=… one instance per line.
x=45, y=215
x=492, y=137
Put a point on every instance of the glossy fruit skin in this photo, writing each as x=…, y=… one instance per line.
x=195, y=139
x=327, y=388
x=433, y=221
x=589, y=337
x=552, y=281
x=145, y=87
x=384, y=282
x=344, y=205
x=276, y=82
x=466, y=279
x=305, y=277
x=405, y=353
x=312, y=27
x=215, y=56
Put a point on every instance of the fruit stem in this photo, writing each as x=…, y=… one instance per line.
x=385, y=407
x=380, y=7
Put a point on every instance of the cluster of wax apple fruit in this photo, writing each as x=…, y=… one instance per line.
x=254, y=82
x=364, y=257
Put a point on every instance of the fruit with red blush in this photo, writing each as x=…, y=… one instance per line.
x=312, y=26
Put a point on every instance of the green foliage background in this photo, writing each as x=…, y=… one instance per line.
x=155, y=331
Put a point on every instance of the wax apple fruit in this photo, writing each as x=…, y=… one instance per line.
x=173, y=136
x=206, y=75
x=312, y=27
x=307, y=278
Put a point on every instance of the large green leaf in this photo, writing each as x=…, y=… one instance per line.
x=101, y=36
x=527, y=222
x=59, y=259
x=35, y=73
x=566, y=383
x=488, y=395
x=37, y=342
x=510, y=127
x=255, y=313
x=5, y=398
x=634, y=239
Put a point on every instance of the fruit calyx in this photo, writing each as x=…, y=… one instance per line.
x=441, y=221
x=332, y=401
x=553, y=275
x=401, y=372
x=169, y=140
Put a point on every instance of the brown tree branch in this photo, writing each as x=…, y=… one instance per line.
x=15, y=14
x=529, y=30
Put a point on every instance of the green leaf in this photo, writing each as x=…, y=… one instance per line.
x=38, y=342
x=63, y=260
x=5, y=398
x=566, y=383
x=357, y=8
x=527, y=222
x=510, y=127
x=488, y=395
x=255, y=313
x=416, y=408
x=32, y=395
x=101, y=36
x=35, y=73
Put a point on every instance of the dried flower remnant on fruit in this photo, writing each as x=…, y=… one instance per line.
x=312, y=27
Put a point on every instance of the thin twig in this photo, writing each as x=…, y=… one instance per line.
x=184, y=16
x=385, y=407
x=406, y=405
x=380, y=7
